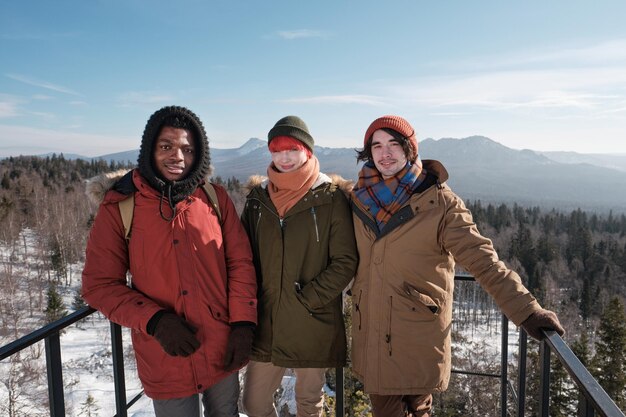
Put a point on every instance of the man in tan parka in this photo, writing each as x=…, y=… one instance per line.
x=411, y=229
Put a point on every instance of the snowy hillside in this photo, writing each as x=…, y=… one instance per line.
x=86, y=347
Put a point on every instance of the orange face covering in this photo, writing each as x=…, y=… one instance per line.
x=287, y=188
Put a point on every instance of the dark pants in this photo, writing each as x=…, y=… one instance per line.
x=401, y=405
x=219, y=400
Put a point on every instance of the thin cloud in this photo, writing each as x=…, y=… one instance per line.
x=43, y=115
x=27, y=140
x=450, y=114
x=36, y=36
x=603, y=54
x=134, y=98
x=340, y=99
x=42, y=97
x=42, y=84
x=8, y=110
x=582, y=88
x=302, y=34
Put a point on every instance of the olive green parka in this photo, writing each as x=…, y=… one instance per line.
x=303, y=263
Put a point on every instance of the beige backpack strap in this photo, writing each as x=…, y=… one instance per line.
x=127, y=206
x=212, y=195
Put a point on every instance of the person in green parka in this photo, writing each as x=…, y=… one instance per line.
x=300, y=228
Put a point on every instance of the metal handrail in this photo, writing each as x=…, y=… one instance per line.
x=51, y=336
x=44, y=332
x=594, y=398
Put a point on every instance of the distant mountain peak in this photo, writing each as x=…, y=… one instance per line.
x=251, y=145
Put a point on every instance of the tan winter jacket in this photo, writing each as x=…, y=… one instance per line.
x=402, y=295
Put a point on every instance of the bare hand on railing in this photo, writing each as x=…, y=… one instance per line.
x=542, y=319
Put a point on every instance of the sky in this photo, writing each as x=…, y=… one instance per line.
x=83, y=77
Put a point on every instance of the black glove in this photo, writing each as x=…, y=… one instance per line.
x=239, y=347
x=542, y=319
x=175, y=335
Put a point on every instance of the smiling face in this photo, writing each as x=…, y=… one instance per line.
x=289, y=160
x=387, y=154
x=174, y=153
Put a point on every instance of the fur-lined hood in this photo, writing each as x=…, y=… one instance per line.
x=97, y=187
x=335, y=179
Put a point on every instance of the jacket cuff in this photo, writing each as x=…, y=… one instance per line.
x=154, y=320
x=243, y=324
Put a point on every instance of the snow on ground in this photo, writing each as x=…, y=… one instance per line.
x=86, y=350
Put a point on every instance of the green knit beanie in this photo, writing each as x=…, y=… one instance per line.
x=294, y=127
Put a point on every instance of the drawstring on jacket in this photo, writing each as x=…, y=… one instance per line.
x=169, y=203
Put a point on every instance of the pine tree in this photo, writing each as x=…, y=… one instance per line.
x=78, y=301
x=5, y=183
x=581, y=349
x=563, y=393
x=609, y=363
x=89, y=408
x=55, y=308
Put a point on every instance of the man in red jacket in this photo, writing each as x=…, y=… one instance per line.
x=191, y=302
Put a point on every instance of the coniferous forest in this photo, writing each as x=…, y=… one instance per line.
x=574, y=262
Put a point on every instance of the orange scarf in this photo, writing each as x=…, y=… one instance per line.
x=287, y=188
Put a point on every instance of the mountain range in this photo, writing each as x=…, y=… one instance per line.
x=479, y=168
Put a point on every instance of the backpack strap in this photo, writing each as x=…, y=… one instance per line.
x=127, y=206
x=212, y=196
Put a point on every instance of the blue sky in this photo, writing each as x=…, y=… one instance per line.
x=84, y=76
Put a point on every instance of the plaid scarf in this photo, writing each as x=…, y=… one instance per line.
x=382, y=198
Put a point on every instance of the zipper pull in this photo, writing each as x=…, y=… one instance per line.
x=317, y=233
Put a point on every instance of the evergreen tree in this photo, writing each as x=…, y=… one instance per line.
x=57, y=260
x=522, y=247
x=55, y=308
x=609, y=363
x=5, y=183
x=580, y=347
x=78, y=301
x=89, y=408
x=563, y=393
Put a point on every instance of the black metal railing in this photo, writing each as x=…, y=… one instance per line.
x=51, y=334
x=594, y=400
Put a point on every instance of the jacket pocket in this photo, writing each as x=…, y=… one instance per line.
x=219, y=313
x=416, y=305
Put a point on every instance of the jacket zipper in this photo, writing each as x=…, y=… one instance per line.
x=317, y=233
x=256, y=230
x=388, y=335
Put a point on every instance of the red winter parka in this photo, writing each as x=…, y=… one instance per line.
x=189, y=265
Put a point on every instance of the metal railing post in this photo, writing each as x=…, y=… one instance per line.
x=118, y=370
x=339, y=392
x=504, y=365
x=544, y=379
x=521, y=377
x=584, y=407
x=55, y=375
x=595, y=395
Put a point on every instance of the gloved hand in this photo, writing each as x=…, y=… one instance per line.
x=239, y=347
x=542, y=319
x=175, y=335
